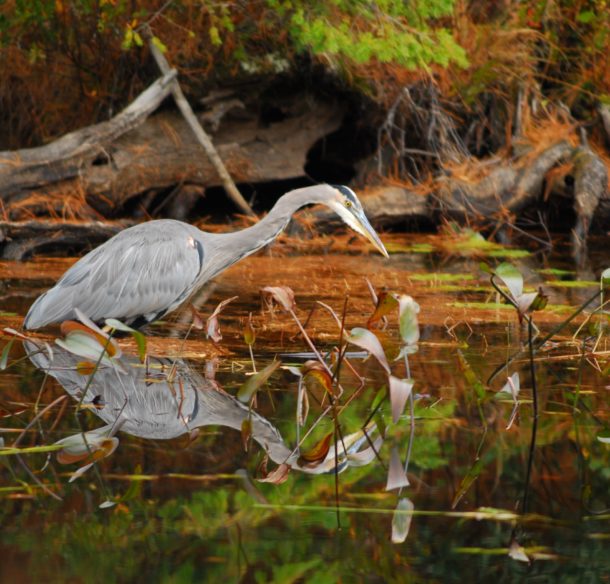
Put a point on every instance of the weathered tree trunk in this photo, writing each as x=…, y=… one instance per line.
x=200, y=134
x=65, y=158
x=163, y=152
x=108, y=169
x=20, y=240
x=510, y=186
x=509, y=189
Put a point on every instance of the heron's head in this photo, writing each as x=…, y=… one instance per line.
x=345, y=203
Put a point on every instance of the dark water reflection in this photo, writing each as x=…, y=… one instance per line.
x=187, y=504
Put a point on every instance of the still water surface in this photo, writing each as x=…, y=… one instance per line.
x=179, y=459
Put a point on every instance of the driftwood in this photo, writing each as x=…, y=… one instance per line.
x=20, y=240
x=65, y=158
x=162, y=153
x=590, y=189
x=508, y=187
x=514, y=187
x=507, y=190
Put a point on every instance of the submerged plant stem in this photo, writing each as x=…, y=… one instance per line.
x=532, y=448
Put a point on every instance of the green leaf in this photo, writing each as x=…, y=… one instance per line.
x=604, y=436
x=159, y=44
x=127, y=42
x=408, y=324
x=5, y=353
x=255, y=382
x=401, y=520
x=84, y=345
x=585, y=17
x=471, y=476
x=512, y=279
x=368, y=341
x=400, y=389
x=215, y=36
x=397, y=477
x=379, y=397
x=139, y=338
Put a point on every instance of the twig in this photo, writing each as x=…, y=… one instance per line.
x=200, y=133
x=36, y=417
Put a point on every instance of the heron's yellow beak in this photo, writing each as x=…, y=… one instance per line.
x=368, y=232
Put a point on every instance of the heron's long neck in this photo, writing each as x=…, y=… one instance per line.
x=237, y=245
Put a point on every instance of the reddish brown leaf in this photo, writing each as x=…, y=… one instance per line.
x=85, y=367
x=386, y=303
x=246, y=433
x=275, y=477
x=249, y=333
x=212, y=326
x=317, y=454
x=97, y=451
x=197, y=318
x=282, y=295
x=316, y=376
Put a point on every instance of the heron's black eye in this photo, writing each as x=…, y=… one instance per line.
x=348, y=203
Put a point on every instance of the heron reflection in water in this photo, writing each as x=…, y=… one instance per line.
x=145, y=402
x=149, y=270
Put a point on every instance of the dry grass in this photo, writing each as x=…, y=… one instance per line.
x=65, y=203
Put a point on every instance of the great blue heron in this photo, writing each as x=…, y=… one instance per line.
x=148, y=270
x=145, y=402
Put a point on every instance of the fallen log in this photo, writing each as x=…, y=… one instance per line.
x=512, y=186
x=20, y=240
x=163, y=153
x=590, y=189
x=65, y=158
x=199, y=132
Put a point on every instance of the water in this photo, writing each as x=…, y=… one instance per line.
x=187, y=505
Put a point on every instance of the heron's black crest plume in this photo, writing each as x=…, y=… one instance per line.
x=346, y=191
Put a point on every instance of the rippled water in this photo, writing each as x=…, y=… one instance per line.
x=187, y=502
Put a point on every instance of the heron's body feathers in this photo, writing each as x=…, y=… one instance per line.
x=150, y=269
x=142, y=272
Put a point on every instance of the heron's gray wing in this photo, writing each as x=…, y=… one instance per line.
x=144, y=271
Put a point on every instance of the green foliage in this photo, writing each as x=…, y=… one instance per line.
x=358, y=31
x=392, y=32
